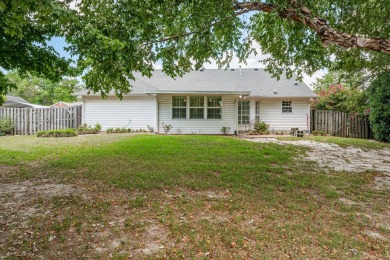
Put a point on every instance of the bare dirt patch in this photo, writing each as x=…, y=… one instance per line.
x=6, y=170
x=47, y=219
x=338, y=158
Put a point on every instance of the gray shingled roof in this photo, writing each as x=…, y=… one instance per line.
x=257, y=83
x=18, y=102
x=15, y=99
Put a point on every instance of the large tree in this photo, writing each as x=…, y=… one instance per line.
x=114, y=38
x=25, y=28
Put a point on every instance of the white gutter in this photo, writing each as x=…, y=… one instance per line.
x=244, y=93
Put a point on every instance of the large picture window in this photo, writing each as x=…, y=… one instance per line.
x=243, y=112
x=179, y=107
x=197, y=107
x=286, y=107
x=214, y=107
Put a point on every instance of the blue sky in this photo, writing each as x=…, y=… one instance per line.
x=59, y=44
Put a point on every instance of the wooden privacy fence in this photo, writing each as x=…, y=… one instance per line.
x=28, y=121
x=340, y=124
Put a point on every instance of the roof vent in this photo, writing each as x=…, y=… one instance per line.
x=240, y=73
x=275, y=92
x=231, y=69
x=202, y=69
x=256, y=69
x=296, y=83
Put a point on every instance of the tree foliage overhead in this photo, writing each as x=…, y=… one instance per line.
x=114, y=38
x=122, y=36
x=25, y=28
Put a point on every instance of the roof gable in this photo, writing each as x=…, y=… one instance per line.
x=256, y=82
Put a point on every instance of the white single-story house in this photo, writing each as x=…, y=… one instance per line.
x=204, y=102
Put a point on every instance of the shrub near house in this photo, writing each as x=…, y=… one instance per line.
x=380, y=107
x=87, y=129
x=6, y=127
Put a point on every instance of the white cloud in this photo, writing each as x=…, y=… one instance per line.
x=309, y=80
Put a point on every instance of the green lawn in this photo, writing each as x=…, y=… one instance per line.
x=149, y=196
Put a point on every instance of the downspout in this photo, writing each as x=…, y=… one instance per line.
x=235, y=114
x=83, y=113
x=157, y=117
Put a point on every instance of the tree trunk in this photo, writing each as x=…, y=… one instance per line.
x=328, y=35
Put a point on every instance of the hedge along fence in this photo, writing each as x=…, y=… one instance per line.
x=29, y=121
x=58, y=133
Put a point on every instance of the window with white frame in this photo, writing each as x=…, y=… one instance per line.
x=243, y=112
x=257, y=111
x=197, y=107
x=286, y=107
x=179, y=107
x=214, y=107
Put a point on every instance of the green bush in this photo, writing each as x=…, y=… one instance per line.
x=6, y=127
x=98, y=127
x=70, y=132
x=260, y=128
x=167, y=128
x=118, y=130
x=315, y=132
x=86, y=129
x=379, y=94
x=151, y=129
x=225, y=130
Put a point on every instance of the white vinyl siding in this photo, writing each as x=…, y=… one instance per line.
x=135, y=112
x=197, y=126
x=271, y=113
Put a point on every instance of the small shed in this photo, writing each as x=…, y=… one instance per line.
x=66, y=104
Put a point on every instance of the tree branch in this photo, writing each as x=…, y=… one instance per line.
x=327, y=34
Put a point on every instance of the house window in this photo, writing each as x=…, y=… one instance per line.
x=243, y=112
x=286, y=107
x=179, y=107
x=257, y=111
x=197, y=107
x=214, y=107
